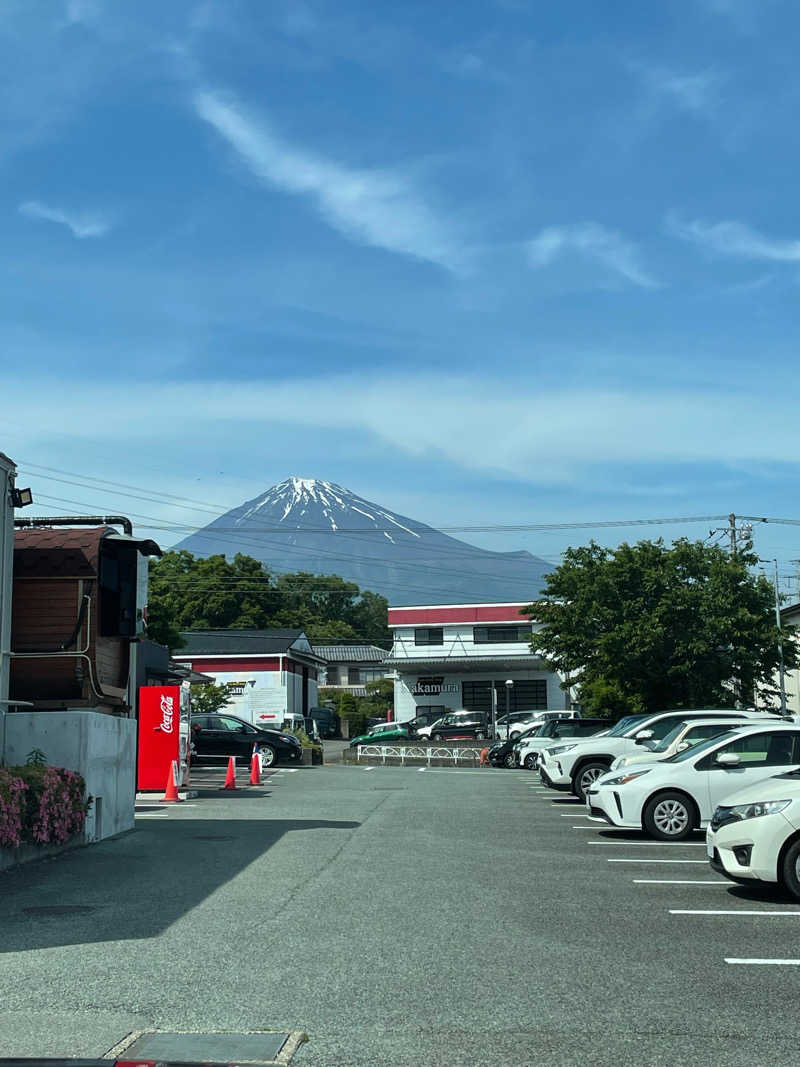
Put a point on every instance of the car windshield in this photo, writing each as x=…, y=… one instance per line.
x=697, y=750
x=625, y=724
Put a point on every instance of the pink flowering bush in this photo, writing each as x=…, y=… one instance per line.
x=40, y=804
x=12, y=808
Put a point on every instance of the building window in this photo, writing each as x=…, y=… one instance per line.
x=370, y=675
x=528, y=695
x=505, y=635
x=429, y=635
x=353, y=676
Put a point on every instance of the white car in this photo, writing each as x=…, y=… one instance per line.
x=671, y=798
x=754, y=835
x=681, y=737
x=529, y=748
x=573, y=767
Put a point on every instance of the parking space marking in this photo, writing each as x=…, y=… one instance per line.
x=571, y=815
x=152, y=814
x=675, y=881
x=649, y=844
x=648, y=860
x=763, y=963
x=729, y=911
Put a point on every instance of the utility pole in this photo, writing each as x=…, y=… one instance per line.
x=782, y=675
x=732, y=525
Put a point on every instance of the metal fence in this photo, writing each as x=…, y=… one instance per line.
x=417, y=752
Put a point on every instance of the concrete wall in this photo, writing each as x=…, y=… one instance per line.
x=458, y=640
x=100, y=747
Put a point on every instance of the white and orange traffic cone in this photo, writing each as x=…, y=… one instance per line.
x=230, y=777
x=255, y=766
x=171, y=791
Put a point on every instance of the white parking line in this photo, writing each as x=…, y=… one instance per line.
x=736, y=911
x=648, y=860
x=152, y=814
x=649, y=844
x=763, y=963
x=674, y=881
x=570, y=815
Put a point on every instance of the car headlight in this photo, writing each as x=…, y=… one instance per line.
x=289, y=739
x=623, y=779
x=753, y=811
x=560, y=749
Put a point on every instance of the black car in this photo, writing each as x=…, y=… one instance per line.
x=469, y=724
x=501, y=754
x=220, y=736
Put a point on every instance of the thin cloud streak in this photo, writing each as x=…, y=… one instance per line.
x=380, y=208
x=80, y=224
x=594, y=242
x=583, y=428
x=731, y=238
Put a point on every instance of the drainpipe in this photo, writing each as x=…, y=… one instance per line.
x=77, y=520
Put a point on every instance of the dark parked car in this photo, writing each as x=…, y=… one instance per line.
x=327, y=721
x=219, y=736
x=469, y=724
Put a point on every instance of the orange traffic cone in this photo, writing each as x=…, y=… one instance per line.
x=255, y=768
x=171, y=791
x=230, y=777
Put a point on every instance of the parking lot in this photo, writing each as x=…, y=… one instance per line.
x=401, y=916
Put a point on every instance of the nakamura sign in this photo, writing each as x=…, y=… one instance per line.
x=432, y=687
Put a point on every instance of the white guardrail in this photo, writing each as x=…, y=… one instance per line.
x=404, y=752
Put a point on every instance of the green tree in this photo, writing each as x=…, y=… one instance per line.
x=645, y=627
x=187, y=593
x=207, y=698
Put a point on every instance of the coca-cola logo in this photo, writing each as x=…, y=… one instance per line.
x=167, y=713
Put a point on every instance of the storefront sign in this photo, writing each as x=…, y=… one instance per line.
x=432, y=687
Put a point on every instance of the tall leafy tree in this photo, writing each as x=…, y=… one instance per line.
x=649, y=626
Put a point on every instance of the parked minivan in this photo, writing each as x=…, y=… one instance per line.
x=327, y=721
x=460, y=724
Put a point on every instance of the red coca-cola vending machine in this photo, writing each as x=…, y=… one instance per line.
x=163, y=735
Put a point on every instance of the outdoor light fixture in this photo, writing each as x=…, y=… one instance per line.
x=20, y=498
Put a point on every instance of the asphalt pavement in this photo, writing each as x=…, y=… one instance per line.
x=398, y=916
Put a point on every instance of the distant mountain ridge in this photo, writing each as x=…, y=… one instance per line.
x=304, y=524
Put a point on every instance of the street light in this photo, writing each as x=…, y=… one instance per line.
x=509, y=687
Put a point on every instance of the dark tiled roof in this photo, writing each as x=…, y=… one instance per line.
x=351, y=653
x=231, y=642
x=61, y=552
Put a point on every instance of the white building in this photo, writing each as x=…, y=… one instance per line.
x=454, y=656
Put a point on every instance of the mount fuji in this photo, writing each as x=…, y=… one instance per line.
x=304, y=524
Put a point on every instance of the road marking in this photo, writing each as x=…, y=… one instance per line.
x=763, y=963
x=704, y=862
x=674, y=881
x=152, y=814
x=648, y=844
x=569, y=815
x=736, y=911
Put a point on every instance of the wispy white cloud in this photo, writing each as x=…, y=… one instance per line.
x=696, y=93
x=81, y=224
x=594, y=242
x=582, y=429
x=381, y=208
x=732, y=238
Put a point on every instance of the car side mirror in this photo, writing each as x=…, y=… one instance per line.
x=728, y=759
x=642, y=736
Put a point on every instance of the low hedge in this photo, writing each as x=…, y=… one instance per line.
x=41, y=805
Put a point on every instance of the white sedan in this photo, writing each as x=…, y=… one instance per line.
x=671, y=798
x=683, y=736
x=754, y=835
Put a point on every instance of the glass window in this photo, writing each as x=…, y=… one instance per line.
x=769, y=749
x=491, y=635
x=353, y=676
x=429, y=635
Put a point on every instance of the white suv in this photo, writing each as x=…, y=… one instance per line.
x=573, y=767
x=671, y=798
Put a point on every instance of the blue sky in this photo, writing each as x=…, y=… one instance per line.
x=493, y=262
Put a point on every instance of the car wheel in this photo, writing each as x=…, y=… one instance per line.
x=790, y=869
x=268, y=755
x=479, y=736
x=436, y=737
x=669, y=817
x=530, y=761
x=509, y=760
x=586, y=777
